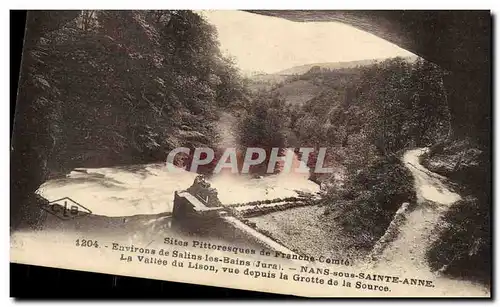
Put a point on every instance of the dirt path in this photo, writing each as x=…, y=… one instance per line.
x=226, y=128
x=406, y=254
x=433, y=199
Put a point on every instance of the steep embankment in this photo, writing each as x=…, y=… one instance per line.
x=406, y=254
x=416, y=233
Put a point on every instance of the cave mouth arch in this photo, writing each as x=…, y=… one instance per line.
x=455, y=40
x=458, y=41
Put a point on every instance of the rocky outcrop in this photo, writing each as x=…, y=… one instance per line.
x=462, y=162
x=202, y=190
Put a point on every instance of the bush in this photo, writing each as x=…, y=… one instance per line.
x=463, y=248
x=264, y=126
x=105, y=88
x=370, y=199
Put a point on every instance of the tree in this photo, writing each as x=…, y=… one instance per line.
x=113, y=87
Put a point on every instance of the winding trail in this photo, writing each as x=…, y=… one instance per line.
x=433, y=199
x=406, y=254
x=226, y=127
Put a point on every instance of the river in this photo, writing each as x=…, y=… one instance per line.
x=149, y=189
x=118, y=193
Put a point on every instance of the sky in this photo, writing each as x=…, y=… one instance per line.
x=269, y=44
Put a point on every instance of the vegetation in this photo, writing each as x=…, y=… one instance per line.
x=366, y=116
x=101, y=88
x=112, y=87
x=392, y=106
x=463, y=248
x=265, y=125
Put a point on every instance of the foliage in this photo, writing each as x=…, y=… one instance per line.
x=265, y=125
x=366, y=116
x=394, y=106
x=370, y=198
x=463, y=245
x=137, y=79
x=113, y=87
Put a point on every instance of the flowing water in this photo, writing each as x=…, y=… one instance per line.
x=148, y=189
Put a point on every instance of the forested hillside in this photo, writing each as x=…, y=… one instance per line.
x=366, y=116
x=302, y=69
x=113, y=87
x=110, y=88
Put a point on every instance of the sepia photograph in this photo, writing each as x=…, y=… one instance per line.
x=316, y=153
